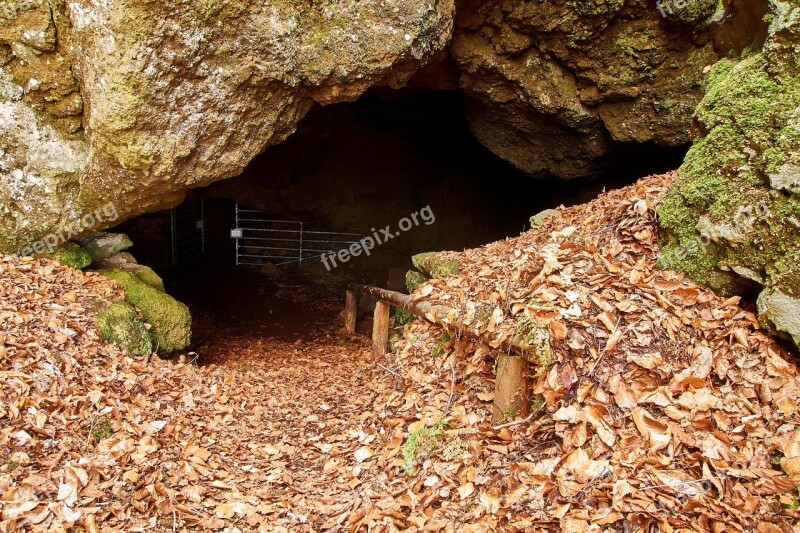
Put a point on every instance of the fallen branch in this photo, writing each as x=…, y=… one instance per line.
x=392, y=372
x=515, y=423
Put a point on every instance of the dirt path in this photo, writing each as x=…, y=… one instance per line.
x=293, y=402
x=286, y=427
x=270, y=433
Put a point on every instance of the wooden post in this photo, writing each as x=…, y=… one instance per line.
x=510, y=389
x=350, y=312
x=380, y=329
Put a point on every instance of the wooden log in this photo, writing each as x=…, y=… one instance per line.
x=511, y=388
x=380, y=329
x=451, y=319
x=395, y=299
x=350, y=311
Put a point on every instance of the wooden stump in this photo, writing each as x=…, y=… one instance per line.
x=380, y=330
x=350, y=312
x=511, y=389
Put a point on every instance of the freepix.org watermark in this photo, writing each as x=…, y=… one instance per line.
x=107, y=213
x=743, y=221
x=367, y=244
x=668, y=7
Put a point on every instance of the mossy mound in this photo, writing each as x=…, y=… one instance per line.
x=170, y=320
x=734, y=213
x=414, y=279
x=149, y=276
x=73, y=256
x=118, y=324
x=435, y=265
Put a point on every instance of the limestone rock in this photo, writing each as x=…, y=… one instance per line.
x=549, y=85
x=104, y=245
x=780, y=313
x=414, y=279
x=538, y=220
x=435, y=266
x=738, y=186
x=121, y=259
x=176, y=95
x=170, y=320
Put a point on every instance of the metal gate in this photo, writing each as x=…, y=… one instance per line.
x=188, y=231
x=261, y=240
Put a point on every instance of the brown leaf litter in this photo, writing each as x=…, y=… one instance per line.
x=663, y=408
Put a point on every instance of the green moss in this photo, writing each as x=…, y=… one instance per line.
x=746, y=130
x=101, y=429
x=403, y=317
x=414, y=279
x=149, y=276
x=435, y=266
x=440, y=346
x=170, y=320
x=73, y=255
x=422, y=442
x=118, y=324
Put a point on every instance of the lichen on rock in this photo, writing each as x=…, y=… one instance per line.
x=174, y=96
x=550, y=85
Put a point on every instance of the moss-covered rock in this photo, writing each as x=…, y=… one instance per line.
x=734, y=213
x=119, y=325
x=149, y=276
x=435, y=265
x=170, y=320
x=548, y=84
x=414, y=279
x=73, y=255
x=538, y=220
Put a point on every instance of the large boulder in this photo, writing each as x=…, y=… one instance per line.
x=733, y=217
x=130, y=103
x=551, y=85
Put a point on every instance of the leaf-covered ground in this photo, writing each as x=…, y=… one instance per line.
x=663, y=407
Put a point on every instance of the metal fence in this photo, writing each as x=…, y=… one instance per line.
x=261, y=240
x=187, y=223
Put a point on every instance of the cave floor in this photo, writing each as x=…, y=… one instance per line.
x=242, y=317
x=296, y=419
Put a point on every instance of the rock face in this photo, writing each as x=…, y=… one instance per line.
x=550, y=85
x=136, y=102
x=734, y=215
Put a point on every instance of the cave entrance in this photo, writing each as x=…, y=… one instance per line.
x=398, y=167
